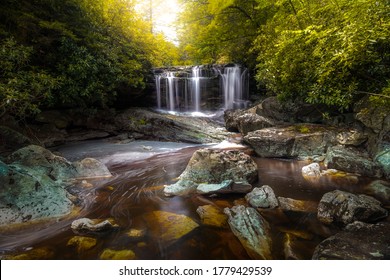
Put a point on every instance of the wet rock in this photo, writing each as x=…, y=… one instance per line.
x=352, y=160
x=295, y=141
x=289, y=204
x=382, y=157
x=248, y=122
x=358, y=241
x=82, y=243
x=227, y=186
x=109, y=254
x=311, y=170
x=380, y=190
x=290, y=252
x=90, y=167
x=85, y=225
x=342, y=208
x=136, y=234
x=168, y=227
x=208, y=166
x=212, y=216
x=252, y=230
x=25, y=195
x=263, y=197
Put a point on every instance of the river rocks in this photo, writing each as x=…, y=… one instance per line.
x=295, y=141
x=358, y=241
x=252, y=230
x=230, y=117
x=212, y=216
x=85, y=225
x=263, y=197
x=352, y=160
x=110, y=254
x=168, y=227
x=341, y=208
x=380, y=190
x=382, y=157
x=311, y=170
x=289, y=204
x=208, y=166
x=82, y=243
x=90, y=167
x=353, y=137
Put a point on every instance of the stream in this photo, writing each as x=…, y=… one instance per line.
x=141, y=169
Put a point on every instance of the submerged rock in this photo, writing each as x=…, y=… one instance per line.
x=252, y=230
x=168, y=227
x=85, y=225
x=212, y=170
x=294, y=141
x=263, y=197
x=90, y=167
x=82, y=243
x=342, y=208
x=41, y=253
x=358, y=241
x=352, y=160
x=212, y=216
x=109, y=254
x=289, y=204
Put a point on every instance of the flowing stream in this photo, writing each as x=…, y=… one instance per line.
x=141, y=169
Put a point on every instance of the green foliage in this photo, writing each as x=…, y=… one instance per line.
x=77, y=53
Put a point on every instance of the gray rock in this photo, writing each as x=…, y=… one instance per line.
x=211, y=167
x=289, y=204
x=295, y=141
x=353, y=137
x=230, y=117
x=252, y=230
x=248, y=122
x=263, y=197
x=382, y=157
x=342, y=208
x=352, y=160
x=372, y=114
x=358, y=241
x=85, y=225
x=90, y=167
x=227, y=186
x=311, y=170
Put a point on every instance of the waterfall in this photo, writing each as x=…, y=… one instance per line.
x=196, y=73
x=199, y=89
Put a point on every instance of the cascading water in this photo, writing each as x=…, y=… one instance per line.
x=202, y=88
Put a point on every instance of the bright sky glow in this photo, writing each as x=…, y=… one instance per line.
x=164, y=13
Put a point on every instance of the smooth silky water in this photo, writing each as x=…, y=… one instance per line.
x=141, y=169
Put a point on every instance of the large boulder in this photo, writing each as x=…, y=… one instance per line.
x=25, y=196
x=252, y=230
x=342, y=208
x=295, y=141
x=358, y=241
x=230, y=117
x=248, y=122
x=230, y=171
x=380, y=190
x=352, y=160
x=373, y=114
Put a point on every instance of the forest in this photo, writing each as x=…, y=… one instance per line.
x=83, y=52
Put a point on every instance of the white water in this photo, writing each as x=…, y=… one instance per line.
x=196, y=73
x=234, y=87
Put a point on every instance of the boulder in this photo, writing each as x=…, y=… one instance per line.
x=380, y=190
x=25, y=196
x=227, y=186
x=212, y=216
x=311, y=170
x=252, y=230
x=263, y=197
x=342, y=208
x=233, y=170
x=382, y=158
x=295, y=141
x=358, y=241
x=168, y=227
x=248, y=122
x=230, y=117
x=90, y=167
x=85, y=225
x=352, y=160
x=372, y=114
x=351, y=137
